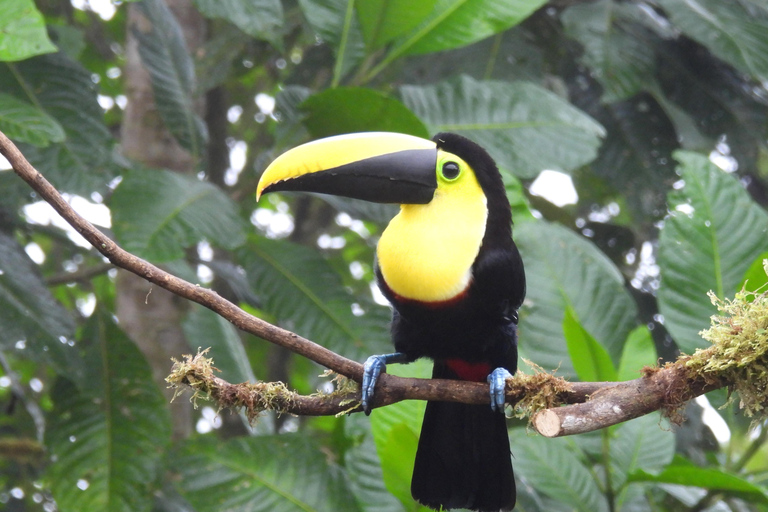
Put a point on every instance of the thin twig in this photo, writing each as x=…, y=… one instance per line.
x=82, y=274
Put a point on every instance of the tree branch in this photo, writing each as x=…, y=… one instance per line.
x=736, y=358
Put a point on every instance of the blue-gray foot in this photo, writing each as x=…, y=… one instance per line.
x=372, y=368
x=497, y=380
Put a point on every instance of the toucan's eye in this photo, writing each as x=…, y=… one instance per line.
x=451, y=170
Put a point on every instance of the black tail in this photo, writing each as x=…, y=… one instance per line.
x=463, y=460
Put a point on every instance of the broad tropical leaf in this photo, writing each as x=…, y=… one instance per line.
x=590, y=360
x=639, y=351
x=683, y=472
x=32, y=323
x=456, y=23
x=645, y=443
x=565, y=270
x=525, y=128
x=549, y=466
x=107, y=440
x=299, y=288
x=357, y=109
x=335, y=22
x=172, y=72
x=396, y=430
x=278, y=473
x=382, y=21
x=621, y=61
x=712, y=235
x=22, y=31
x=261, y=19
x=64, y=91
x=736, y=34
x=157, y=214
x=364, y=468
x=24, y=123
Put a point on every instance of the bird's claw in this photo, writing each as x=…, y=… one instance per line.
x=497, y=380
x=372, y=368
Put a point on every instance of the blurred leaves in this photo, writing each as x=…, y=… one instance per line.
x=24, y=123
x=172, y=72
x=157, y=214
x=712, y=235
x=382, y=21
x=107, y=438
x=32, y=323
x=261, y=19
x=590, y=360
x=282, y=473
x=23, y=30
x=553, y=469
x=356, y=109
x=456, y=23
x=63, y=90
x=735, y=32
x=683, y=472
x=565, y=271
x=622, y=62
x=302, y=291
x=525, y=128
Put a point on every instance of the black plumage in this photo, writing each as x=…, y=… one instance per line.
x=463, y=459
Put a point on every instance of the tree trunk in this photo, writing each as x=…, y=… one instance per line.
x=151, y=316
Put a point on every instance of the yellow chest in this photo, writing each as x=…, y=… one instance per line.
x=427, y=251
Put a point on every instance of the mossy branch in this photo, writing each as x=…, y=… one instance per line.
x=737, y=358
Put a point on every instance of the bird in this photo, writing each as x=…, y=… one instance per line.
x=455, y=279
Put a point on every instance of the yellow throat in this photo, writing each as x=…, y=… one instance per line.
x=427, y=250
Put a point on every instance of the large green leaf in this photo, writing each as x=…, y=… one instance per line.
x=22, y=31
x=157, y=214
x=357, y=109
x=172, y=72
x=736, y=34
x=550, y=467
x=396, y=430
x=712, y=235
x=261, y=19
x=636, y=154
x=382, y=21
x=334, y=22
x=204, y=328
x=63, y=90
x=107, y=440
x=525, y=128
x=590, y=360
x=565, y=270
x=278, y=473
x=23, y=122
x=639, y=351
x=621, y=61
x=32, y=323
x=644, y=443
x=683, y=472
x=301, y=289
x=456, y=23
x=364, y=469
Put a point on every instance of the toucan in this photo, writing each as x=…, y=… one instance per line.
x=454, y=277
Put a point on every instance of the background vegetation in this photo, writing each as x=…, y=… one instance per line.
x=158, y=117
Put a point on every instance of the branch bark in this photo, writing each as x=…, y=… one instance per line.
x=594, y=405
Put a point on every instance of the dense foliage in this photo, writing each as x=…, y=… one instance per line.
x=656, y=109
